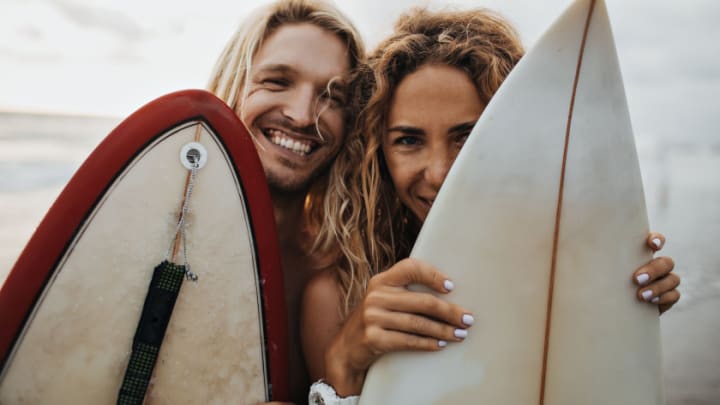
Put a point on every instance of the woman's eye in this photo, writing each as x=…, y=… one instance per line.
x=407, y=140
x=461, y=138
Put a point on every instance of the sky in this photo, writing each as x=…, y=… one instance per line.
x=109, y=57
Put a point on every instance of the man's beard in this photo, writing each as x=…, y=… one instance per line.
x=279, y=184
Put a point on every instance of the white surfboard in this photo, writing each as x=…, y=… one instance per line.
x=540, y=223
x=75, y=305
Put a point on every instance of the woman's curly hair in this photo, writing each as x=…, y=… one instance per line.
x=363, y=214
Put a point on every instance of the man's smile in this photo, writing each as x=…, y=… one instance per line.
x=301, y=146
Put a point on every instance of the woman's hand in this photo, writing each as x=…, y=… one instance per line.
x=392, y=318
x=656, y=282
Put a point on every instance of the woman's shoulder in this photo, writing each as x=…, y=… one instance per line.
x=323, y=288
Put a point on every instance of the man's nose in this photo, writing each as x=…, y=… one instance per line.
x=300, y=106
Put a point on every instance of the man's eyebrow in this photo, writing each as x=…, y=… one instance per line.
x=465, y=126
x=275, y=68
x=406, y=130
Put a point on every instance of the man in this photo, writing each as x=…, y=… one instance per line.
x=282, y=72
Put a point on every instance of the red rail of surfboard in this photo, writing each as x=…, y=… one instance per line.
x=36, y=263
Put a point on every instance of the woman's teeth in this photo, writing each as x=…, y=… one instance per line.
x=279, y=138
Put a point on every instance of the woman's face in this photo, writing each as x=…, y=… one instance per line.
x=432, y=112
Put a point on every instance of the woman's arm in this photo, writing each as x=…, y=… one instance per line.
x=390, y=318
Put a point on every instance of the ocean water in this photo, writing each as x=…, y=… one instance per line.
x=39, y=153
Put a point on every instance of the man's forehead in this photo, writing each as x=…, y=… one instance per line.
x=303, y=49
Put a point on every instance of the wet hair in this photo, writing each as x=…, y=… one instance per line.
x=229, y=79
x=363, y=213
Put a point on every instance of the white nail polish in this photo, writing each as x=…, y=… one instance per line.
x=449, y=285
x=655, y=300
x=643, y=278
x=442, y=343
x=646, y=295
x=468, y=319
x=657, y=242
x=461, y=333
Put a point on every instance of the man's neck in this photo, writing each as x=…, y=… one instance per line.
x=288, y=210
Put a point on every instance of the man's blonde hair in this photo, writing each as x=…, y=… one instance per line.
x=228, y=80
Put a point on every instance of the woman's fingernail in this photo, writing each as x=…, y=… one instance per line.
x=657, y=242
x=442, y=343
x=655, y=300
x=642, y=279
x=468, y=319
x=460, y=333
x=449, y=285
x=647, y=294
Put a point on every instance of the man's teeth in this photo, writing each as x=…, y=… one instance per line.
x=279, y=138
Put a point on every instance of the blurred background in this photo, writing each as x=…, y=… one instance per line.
x=70, y=70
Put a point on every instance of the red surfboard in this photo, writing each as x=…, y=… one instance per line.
x=155, y=276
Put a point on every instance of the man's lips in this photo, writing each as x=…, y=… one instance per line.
x=290, y=141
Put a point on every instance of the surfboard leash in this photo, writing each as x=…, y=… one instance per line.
x=160, y=300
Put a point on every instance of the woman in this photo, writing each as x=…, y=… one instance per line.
x=425, y=87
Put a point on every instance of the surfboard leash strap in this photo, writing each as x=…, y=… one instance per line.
x=159, y=303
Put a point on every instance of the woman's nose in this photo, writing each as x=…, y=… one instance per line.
x=437, y=167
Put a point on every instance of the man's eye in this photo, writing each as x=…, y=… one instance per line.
x=275, y=82
x=335, y=97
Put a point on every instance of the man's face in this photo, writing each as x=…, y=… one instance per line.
x=297, y=123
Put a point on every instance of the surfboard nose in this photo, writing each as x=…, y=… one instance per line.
x=540, y=223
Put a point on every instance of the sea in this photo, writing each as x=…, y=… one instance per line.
x=40, y=152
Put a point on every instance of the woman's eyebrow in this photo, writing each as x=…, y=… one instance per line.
x=406, y=130
x=465, y=126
